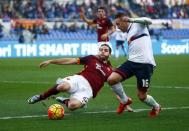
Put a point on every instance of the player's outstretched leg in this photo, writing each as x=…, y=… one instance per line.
x=124, y=100
x=43, y=96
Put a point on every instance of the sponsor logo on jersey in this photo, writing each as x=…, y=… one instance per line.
x=99, y=67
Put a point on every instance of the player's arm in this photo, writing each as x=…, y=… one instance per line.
x=111, y=30
x=88, y=21
x=61, y=61
x=109, y=33
x=142, y=20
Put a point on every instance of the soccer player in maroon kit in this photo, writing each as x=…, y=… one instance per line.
x=82, y=86
x=103, y=24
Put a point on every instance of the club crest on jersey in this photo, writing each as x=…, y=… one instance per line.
x=99, y=67
x=108, y=69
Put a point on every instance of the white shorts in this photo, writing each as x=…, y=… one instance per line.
x=80, y=88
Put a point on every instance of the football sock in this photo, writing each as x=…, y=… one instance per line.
x=66, y=102
x=151, y=101
x=118, y=89
x=49, y=92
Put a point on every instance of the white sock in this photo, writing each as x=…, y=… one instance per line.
x=118, y=89
x=151, y=101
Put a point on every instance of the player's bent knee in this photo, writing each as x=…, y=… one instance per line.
x=73, y=106
x=60, y=87
x=114, y=78
x=111, y=81
x=63, y=86
x=142, y=96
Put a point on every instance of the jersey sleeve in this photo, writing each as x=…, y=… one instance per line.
x=84, y=60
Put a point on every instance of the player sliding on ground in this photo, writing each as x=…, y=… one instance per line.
x=140, y=61
x=84, y=85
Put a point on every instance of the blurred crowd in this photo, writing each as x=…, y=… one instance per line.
x=69, y=9
x=161, y=8
x=50, y=10
x=62, y=11
x=58, y=11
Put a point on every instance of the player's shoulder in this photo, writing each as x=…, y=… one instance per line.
x=133, y=26
x=86, y=59
x=95, y=19
x=91, y=57
x=108, y=20
x=139, y=25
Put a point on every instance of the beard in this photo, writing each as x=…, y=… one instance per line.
x=103, y=57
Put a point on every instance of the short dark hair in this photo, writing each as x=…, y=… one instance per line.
x=119, y=15
x=102, y=8
x=110, y=49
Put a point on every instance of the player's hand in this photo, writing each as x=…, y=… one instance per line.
x=104, y=36
x=44, y=64
x=82, y=16
x=82, y=13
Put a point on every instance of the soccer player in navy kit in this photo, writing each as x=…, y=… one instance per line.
x=83, y=85
x=140, y=61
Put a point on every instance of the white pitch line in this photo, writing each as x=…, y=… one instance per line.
x=95, y=112
x=132, y=85
x=14, y=117
x=25, y=82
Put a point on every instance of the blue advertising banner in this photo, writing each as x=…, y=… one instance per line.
x=171, y=47
x=69, y=48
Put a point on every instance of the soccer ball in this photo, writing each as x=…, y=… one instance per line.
x=55, y=112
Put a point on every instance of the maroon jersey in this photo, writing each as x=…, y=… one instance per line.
x=95, y=71
x=103, y=25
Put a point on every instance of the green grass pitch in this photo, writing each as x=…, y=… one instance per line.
x=22, y=78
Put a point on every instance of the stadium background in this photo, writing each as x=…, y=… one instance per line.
x=41, y=29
